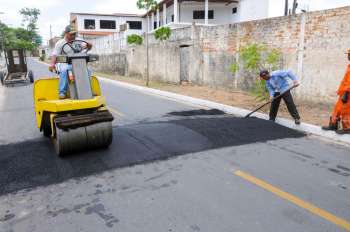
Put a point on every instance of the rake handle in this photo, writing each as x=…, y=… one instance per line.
x=270, y=101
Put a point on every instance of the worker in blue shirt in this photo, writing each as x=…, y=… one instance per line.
x=277, y=84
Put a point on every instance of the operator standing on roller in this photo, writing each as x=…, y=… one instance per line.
x=277, y=84
x=62, y=68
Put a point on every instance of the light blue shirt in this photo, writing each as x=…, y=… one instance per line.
x=278, y=81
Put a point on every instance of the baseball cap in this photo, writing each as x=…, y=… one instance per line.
x=264, y=72
x=69, y=29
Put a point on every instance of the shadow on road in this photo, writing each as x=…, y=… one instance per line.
x=33, y=163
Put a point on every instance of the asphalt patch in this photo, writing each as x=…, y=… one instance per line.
x=31, y=164
x=197, y=112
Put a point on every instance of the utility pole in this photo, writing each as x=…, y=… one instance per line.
x=50, y=31
x=286, y=6
x=295, y=6
x=147, y=53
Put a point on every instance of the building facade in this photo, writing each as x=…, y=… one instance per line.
x=206, y=12
x=90, y=26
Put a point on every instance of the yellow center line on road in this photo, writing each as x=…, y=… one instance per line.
x=295, y=200
x=116, y=112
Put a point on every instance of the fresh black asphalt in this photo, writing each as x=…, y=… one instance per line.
x=34, y=163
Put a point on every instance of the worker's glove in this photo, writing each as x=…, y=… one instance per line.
x=276, y=94
x=345, y=97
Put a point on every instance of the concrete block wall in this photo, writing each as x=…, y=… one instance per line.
x=112, y=63
x=327, y=37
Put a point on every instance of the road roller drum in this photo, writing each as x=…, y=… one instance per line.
x=68, y=141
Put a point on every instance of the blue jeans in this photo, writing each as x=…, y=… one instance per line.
x=63, y=73
x=63, y=82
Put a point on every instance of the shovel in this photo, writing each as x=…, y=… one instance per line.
x=269, y=102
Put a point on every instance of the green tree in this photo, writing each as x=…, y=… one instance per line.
x=29, y=21
x=15, y=38
x=18, y=38
x=30, y=18
x=146, y=4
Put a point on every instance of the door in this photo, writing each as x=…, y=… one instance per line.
x=184, y=63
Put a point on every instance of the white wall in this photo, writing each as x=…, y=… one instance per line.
x=119, y=21
x=222, y=12
x=235, y=17
x=253, y=9
x=247, y=10
x=109, y=44
x=276, y=8
x=169, y=13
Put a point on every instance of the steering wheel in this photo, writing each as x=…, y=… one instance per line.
x=76, y=46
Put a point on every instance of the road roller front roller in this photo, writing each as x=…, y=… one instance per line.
x=79, y=122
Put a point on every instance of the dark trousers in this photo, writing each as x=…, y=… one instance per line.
x=288, y=99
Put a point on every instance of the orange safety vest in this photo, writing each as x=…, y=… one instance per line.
x=342, y=110
x=345, y=84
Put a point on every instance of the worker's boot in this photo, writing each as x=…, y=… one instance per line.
x=332, y=126
x=343, y=131
x=346, y=126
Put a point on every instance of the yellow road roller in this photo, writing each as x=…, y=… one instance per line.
x=79, y=122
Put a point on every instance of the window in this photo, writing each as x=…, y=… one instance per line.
x=107, y=24
x=172, y=18
x=135, y=25
x=234, y=10
x=200, y=14
x=89, y=24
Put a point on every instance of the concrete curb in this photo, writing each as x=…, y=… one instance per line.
x=304, y=127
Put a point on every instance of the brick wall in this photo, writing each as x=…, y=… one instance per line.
x=312, y=45
x=315, y=53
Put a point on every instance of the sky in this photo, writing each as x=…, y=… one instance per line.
x=56, y=12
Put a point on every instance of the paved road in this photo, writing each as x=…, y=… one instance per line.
x=171, y=167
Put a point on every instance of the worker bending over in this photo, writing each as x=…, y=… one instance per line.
x=341, y=110
x=277, y=84
x=63, y=68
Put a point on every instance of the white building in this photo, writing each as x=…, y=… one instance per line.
x=208, y=12
x=91, y=26
x=203, y=12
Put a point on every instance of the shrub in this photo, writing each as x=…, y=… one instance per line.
x=162, y=33
x=135, y=39
x=253, y=58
